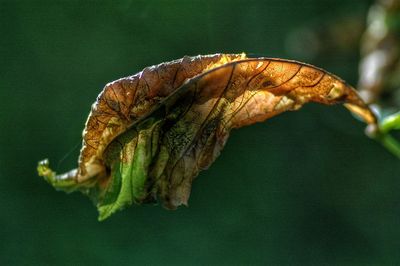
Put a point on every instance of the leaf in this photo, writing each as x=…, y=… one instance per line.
x=148, y=135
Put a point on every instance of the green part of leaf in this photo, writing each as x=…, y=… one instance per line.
x=118, y=194
x=129, y=172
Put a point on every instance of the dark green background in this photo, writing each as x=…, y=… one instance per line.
x=304, y=187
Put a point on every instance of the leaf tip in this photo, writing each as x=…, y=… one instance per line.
x=106, y=211
x=103, y=215
x=44, y=170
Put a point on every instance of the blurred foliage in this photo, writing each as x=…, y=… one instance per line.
x=305, y=187
x=380, y=63
x=379, y=81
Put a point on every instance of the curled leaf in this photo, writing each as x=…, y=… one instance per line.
x=148, y=135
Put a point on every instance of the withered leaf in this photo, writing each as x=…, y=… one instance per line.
x=148, y=135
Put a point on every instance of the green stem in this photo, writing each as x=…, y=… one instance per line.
x=391, y=144
x=391, y=122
